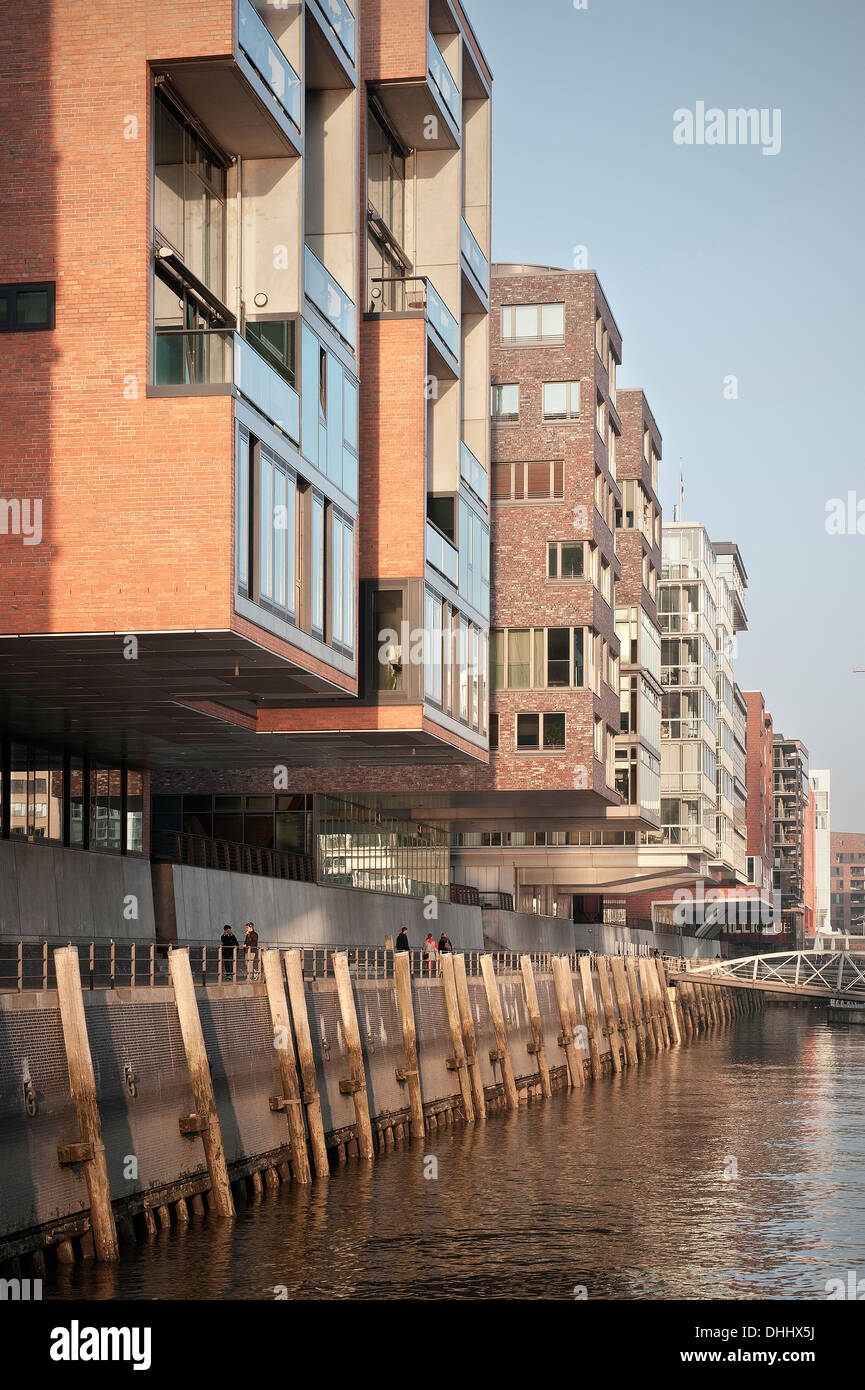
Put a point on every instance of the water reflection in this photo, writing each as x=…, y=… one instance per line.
x=623, y=1187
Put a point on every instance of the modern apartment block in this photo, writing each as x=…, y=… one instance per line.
x=821, y=794
x=244, y=292
x=760, y=802
x=794, y=843
x=848, y=882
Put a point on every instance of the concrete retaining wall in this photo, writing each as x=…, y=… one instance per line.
x=48, y=891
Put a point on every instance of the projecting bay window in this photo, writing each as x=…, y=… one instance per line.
x=540, y=733
x=542, y=658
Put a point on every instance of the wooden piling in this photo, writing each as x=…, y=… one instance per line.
x=405, y=1003
x=576, y=1027
x=641, y=1029
x=458, y=1062
x=82, y=1082
x=536, y=1024
x=355, y=1085
x=293, y=965
x=502, y=1053
x=590, y=1009
x=566, y=1037
x=469, y=1039
x=620, y=984
x=669, y=1009
x=611, y=1028
x=283, y=1041
x=206, y=1118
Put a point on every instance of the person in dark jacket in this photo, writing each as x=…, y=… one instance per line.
x=251, y=944
x=229, y=943
x=402, y=940
x=445, y=947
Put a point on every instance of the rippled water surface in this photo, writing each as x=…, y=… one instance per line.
x=619, y=1188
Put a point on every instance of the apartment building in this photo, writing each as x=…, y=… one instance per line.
x=250, y=202
x=821, y=793
x=847, y=869
x=795, y=830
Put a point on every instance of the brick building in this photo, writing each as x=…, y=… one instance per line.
x=848, y=882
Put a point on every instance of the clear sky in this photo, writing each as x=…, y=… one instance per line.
x=719, y=261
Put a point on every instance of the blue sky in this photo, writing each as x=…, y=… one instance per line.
x=719, y=261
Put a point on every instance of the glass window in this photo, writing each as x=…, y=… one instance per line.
x=506, y=404
x=317, y=563
x=561, y=400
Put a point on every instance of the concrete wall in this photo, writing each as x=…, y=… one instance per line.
x=66, y=893
x=523, y=931
x=303, y=913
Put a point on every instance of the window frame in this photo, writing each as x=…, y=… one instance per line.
x=10, y=293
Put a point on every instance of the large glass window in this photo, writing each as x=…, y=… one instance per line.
x=189, y=197
x=561, y=400
x=533, y=323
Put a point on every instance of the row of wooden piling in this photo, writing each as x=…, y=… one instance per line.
x=640, y=1014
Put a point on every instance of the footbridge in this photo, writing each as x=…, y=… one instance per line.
x=798, y=974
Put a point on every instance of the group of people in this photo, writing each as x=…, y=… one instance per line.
x=230, y=944
x=432, y=949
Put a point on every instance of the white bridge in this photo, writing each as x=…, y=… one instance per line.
x=806, y=974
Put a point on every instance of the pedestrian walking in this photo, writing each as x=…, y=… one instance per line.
x=251, y=944
x=229, y=943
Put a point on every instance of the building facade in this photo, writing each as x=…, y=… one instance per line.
x=847, y=870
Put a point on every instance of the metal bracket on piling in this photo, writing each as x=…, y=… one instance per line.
x=193, y=1124
x=74, y=1153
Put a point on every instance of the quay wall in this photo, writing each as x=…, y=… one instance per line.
x=143, y=1084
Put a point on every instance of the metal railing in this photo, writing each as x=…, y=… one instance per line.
x=329, y=297
x=443, y=79
x=29, y=965
x=268, y=59
x=410, y=294
x=219, y=356
x=199, y=852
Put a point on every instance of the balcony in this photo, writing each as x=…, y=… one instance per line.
x=442, y=80
x=417, y=294
x=329, y=298
x=473, y=474
x=269, y=61
x=195, y=360
x=441, y=554
x=340, y=23
x=474, y=259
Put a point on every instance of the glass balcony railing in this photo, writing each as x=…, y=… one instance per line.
x=341, y=20
x=329, y=297
x=268, y=59
x=442, y=79
x=474, y=257
x=441, y=554
x=219, y=357
x=417, y=294
x=473, y=473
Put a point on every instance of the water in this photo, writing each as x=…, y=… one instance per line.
x=619, y=1188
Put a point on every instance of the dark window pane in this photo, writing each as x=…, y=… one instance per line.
x=528, y=730
x=554, y=731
